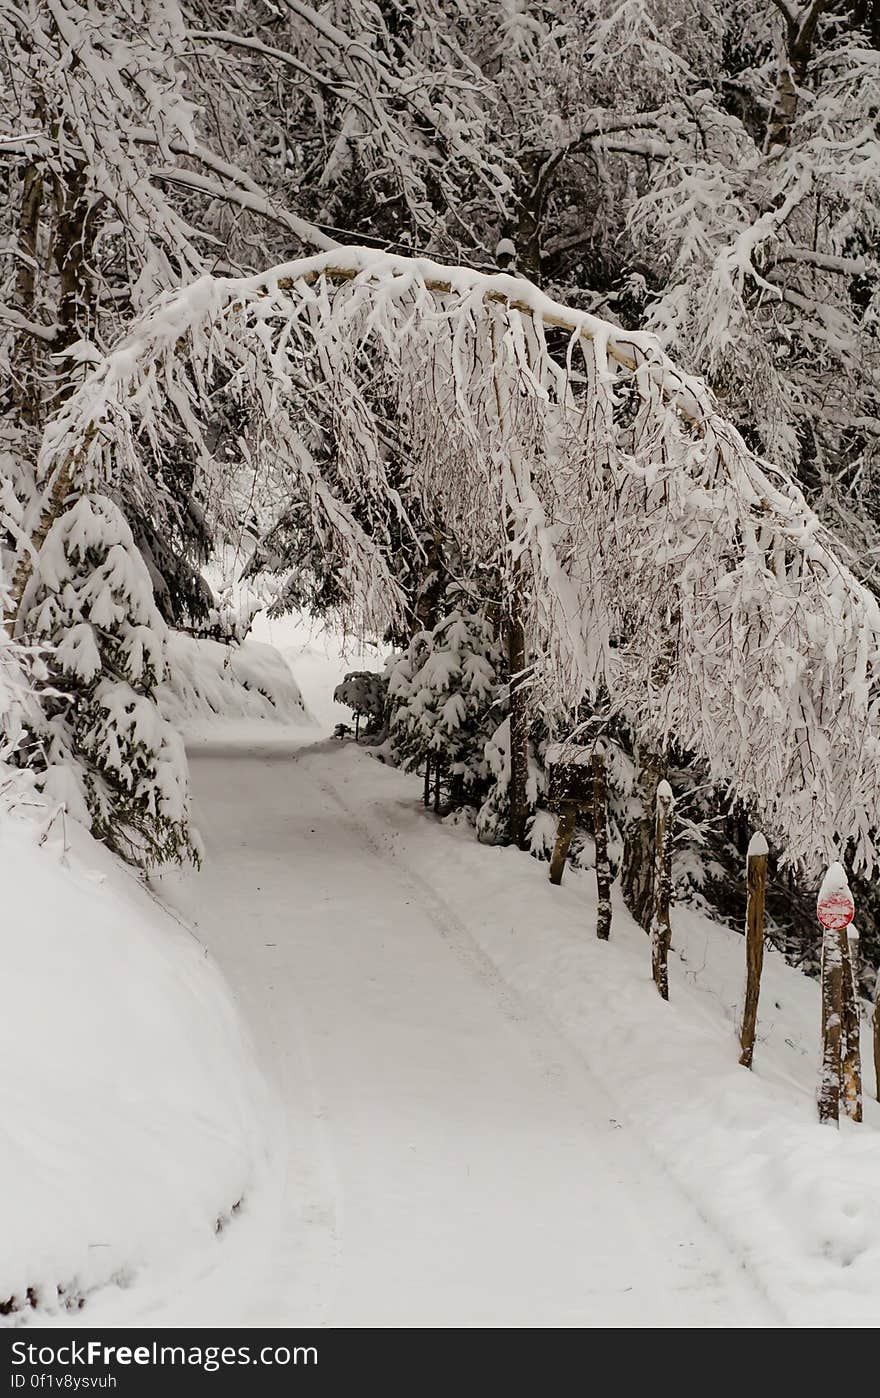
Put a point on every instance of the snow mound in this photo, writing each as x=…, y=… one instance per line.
x=209, y=680
x=137, y=1123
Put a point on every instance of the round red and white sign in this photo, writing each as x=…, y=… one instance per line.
x=836, y=910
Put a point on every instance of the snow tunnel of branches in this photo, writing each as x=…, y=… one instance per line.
x=661, y=570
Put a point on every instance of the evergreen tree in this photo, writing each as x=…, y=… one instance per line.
x=444, y=694
x=103, y=748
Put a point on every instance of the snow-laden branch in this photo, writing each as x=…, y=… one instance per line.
x=663, y=562
x=10, y=316
x=245, y=196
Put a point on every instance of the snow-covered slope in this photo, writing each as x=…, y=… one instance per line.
x=208, y=680
x=136, y=1120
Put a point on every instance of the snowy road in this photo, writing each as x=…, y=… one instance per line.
x=451, y=1160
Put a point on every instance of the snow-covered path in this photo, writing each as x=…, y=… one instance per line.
x=451, y=1160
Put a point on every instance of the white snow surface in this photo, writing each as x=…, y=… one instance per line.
x=478, y=1114
x=135, y=1117
x=492, y=1118
x=834, y=882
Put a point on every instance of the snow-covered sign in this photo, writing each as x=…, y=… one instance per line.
x=835, y=906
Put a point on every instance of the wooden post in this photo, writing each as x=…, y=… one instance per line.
x=756, y=881
x=437, y=786
x=600, y=837
x=832, y=1008
x=835, y=910
x=357, y=725
x=661, y=930
x=851, y=1062
x=564, y=832
x=426, y=795
x=877, y=1041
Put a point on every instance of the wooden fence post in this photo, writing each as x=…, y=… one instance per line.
x=851, y=1064
x=877, y=1040
x=569, y=790
x=832, y=1007
x=564, y=832
x=756, y=880
x=600, y=837
x=661, y=930
x=835, y=909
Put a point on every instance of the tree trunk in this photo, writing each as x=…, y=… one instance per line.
x=637, y=871
x=832, y=1013
x=661, y=929
x=877, y=1046
x=429, y=599
x=600, y=837
x=72, y=250
x=530, y=220
x=757, y=883
x=799, y=30
x=426, y=797
x=519, y=719
x=25, y=386
x=851, y=1063
x=437, y=786
x=74, y=230
x=514, y=626
x=564, y=832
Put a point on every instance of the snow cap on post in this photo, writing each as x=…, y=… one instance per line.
x=835, y=906
x=758, y=846
x=664, y=793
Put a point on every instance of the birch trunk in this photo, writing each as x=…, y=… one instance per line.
x=661, y=929
x=600, y=837
x=832, y=1015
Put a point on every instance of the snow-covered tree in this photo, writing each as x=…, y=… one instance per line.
x=364, y=692
x=445, y=695
x=699, y=170
x=102, y=747
x=657, y=556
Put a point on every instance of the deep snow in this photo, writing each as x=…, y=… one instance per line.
x=134, y=1116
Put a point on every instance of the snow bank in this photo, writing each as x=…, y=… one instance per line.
x=208, y=680
x=137, y=1123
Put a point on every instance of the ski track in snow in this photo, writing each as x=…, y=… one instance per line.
x=450, y=1158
